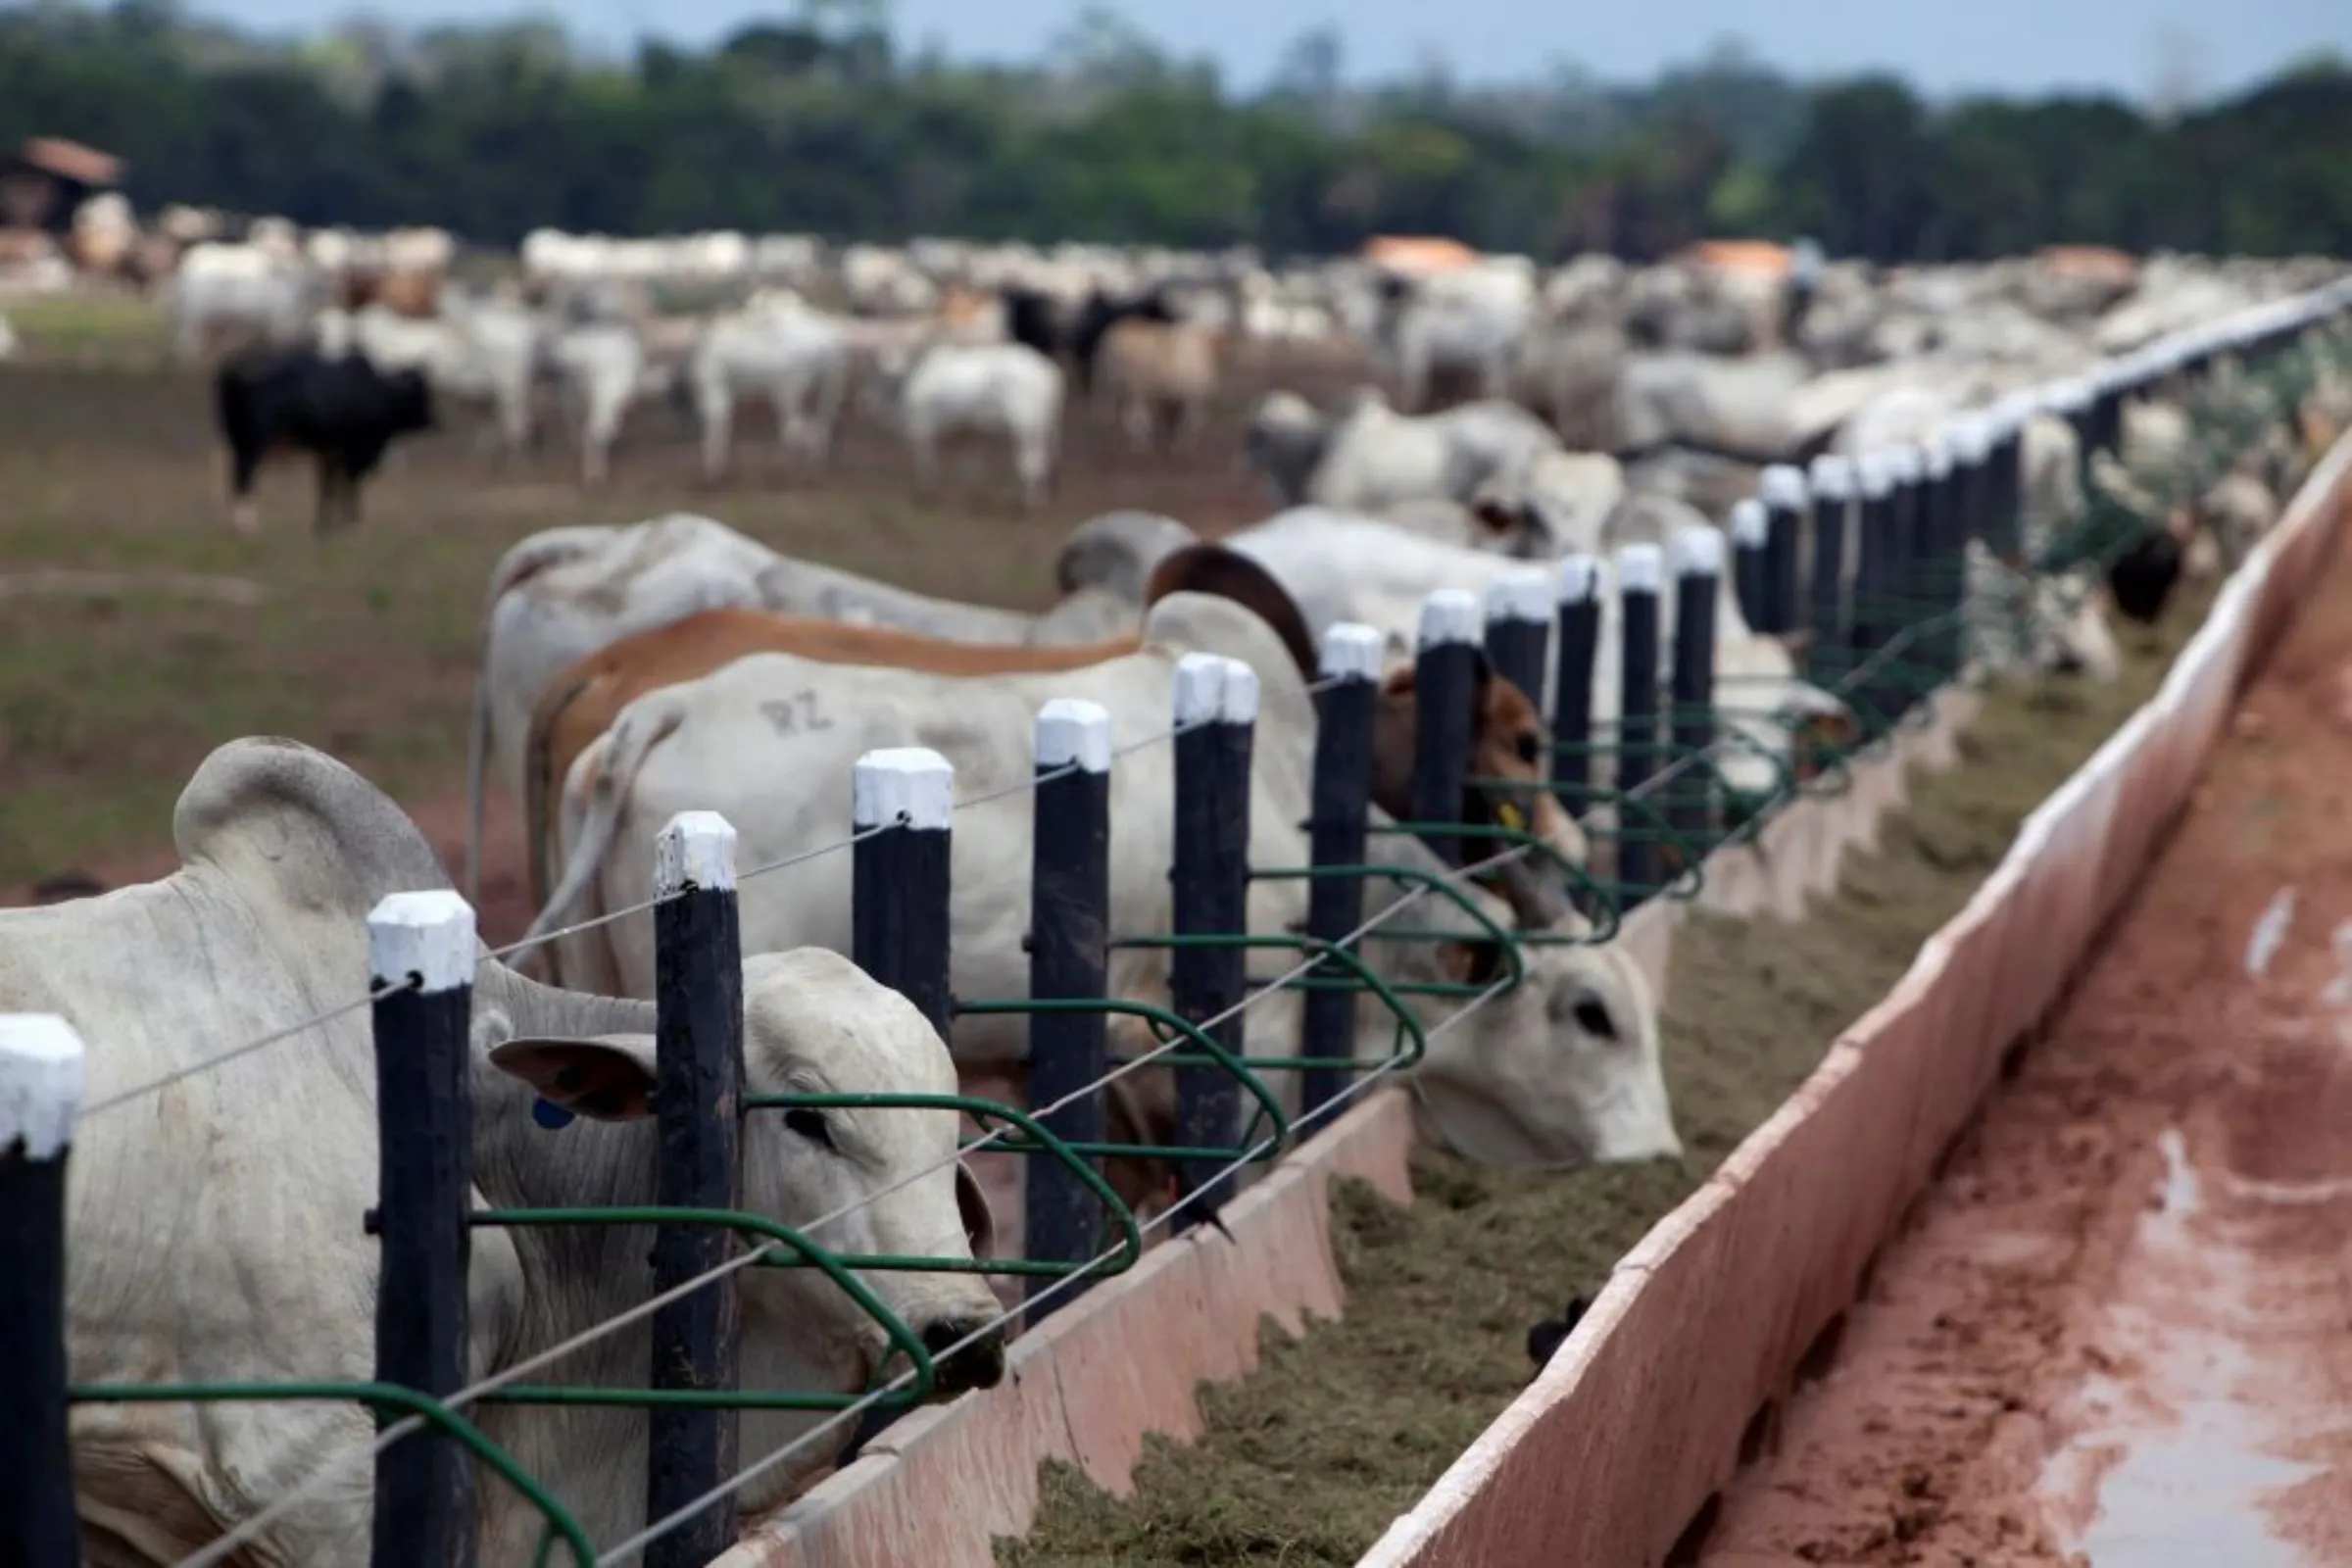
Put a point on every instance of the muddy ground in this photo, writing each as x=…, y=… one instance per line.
x=2114, y=1335
x=1307, y=1460
x=367, y=644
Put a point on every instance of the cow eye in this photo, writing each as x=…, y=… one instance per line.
x=1594, y=1019
x=1529, y=748
x=809, y=1124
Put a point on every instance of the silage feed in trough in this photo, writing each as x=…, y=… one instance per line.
x=1308, y=1459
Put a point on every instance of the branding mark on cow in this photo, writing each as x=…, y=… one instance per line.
x=796, y=715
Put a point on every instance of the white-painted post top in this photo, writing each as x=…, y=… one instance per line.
x=1580, y=579
x=1697, y=553
x=1447, y=615
x=1936, y=454
x=1833, y=478
x=1782, y=486
x=1211, y=689
x=1524, y=595
x=430, y=935
x=1903, y=464
x=1972, y=438
x=914, y=782
x=1749, y=526
x=1876, y=474
x=696, y=849
x=1352, y=651
x=1641, y=569
x=1072, y=730
x=41, y=1076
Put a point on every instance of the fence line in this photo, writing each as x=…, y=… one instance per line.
x=1889, y=617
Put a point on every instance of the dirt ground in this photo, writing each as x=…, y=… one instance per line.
x=365, y=643
x=2114, y=1333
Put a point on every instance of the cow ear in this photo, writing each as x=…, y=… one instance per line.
x=1471, y=963
x=1796, y=642
x=607, y=1077
x=979, y=1220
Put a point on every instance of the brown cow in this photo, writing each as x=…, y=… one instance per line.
x=1510, y=742
x=1160, y=373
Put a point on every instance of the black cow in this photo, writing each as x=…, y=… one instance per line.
x=341, y=408
x=1073, y=338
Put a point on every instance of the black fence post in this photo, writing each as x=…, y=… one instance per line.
x=1898, y=690
x=898, y=892
x=1873, y=596
x=1573, y=663
x=1832, y=482
x=1782, y=490
x=1069, y=930
x=698, y=1107
x=423, y=943
x=1750, y=532
x=41, y=1077
x=1338, y=832
x=2004, y=466
x=1935, y=559
x=898, y=876
x=1697, y=583
x=1519, y=615
x=1639, y=574
x=1216, y=709
x=1445, y=687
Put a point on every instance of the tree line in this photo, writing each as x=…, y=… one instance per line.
x=820, y=123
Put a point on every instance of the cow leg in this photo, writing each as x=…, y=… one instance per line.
x=718, y=412
x=244, y=462
x=1136, y=417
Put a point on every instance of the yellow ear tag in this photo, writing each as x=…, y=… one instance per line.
x=1509, y=817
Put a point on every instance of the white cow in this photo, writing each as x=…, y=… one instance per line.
x=794, y=355
x=214, y=1231
x=1004, y=389
x=244, y=288
x=1561, y=1069
x=1368, y=457
x=1339, y=566
x=8, y=340
x=1467, y=322
x=561, y=594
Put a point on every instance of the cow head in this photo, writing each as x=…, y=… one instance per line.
x=1561, y=1070
x=863, y=1181
x=1511, y=752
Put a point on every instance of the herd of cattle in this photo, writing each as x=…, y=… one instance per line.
x=632, y=672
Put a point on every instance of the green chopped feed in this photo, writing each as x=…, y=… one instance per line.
x=1308, y=1459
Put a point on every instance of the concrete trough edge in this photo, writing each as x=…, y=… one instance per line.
x=1126, y=1357
x=1615, y=1454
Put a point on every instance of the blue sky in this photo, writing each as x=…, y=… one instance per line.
x=1943, y=46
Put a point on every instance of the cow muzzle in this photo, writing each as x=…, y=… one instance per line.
x=968, y=1354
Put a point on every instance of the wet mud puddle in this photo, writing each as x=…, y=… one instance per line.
x=2118, y=1332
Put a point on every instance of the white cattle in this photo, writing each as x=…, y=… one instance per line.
x=792, y=353
x=561, y=594
x=241, y=288
x=215, y=1225
x=1551, y=505
x=1561, y=1069
x=601, y=369
x=1339, y=566
x=1004, y=389
x=8, y=340
x=1468, y=322
x=1367, y=456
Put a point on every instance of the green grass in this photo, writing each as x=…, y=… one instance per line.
x=121, y=331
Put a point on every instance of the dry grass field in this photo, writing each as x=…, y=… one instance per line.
x=138, y=631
